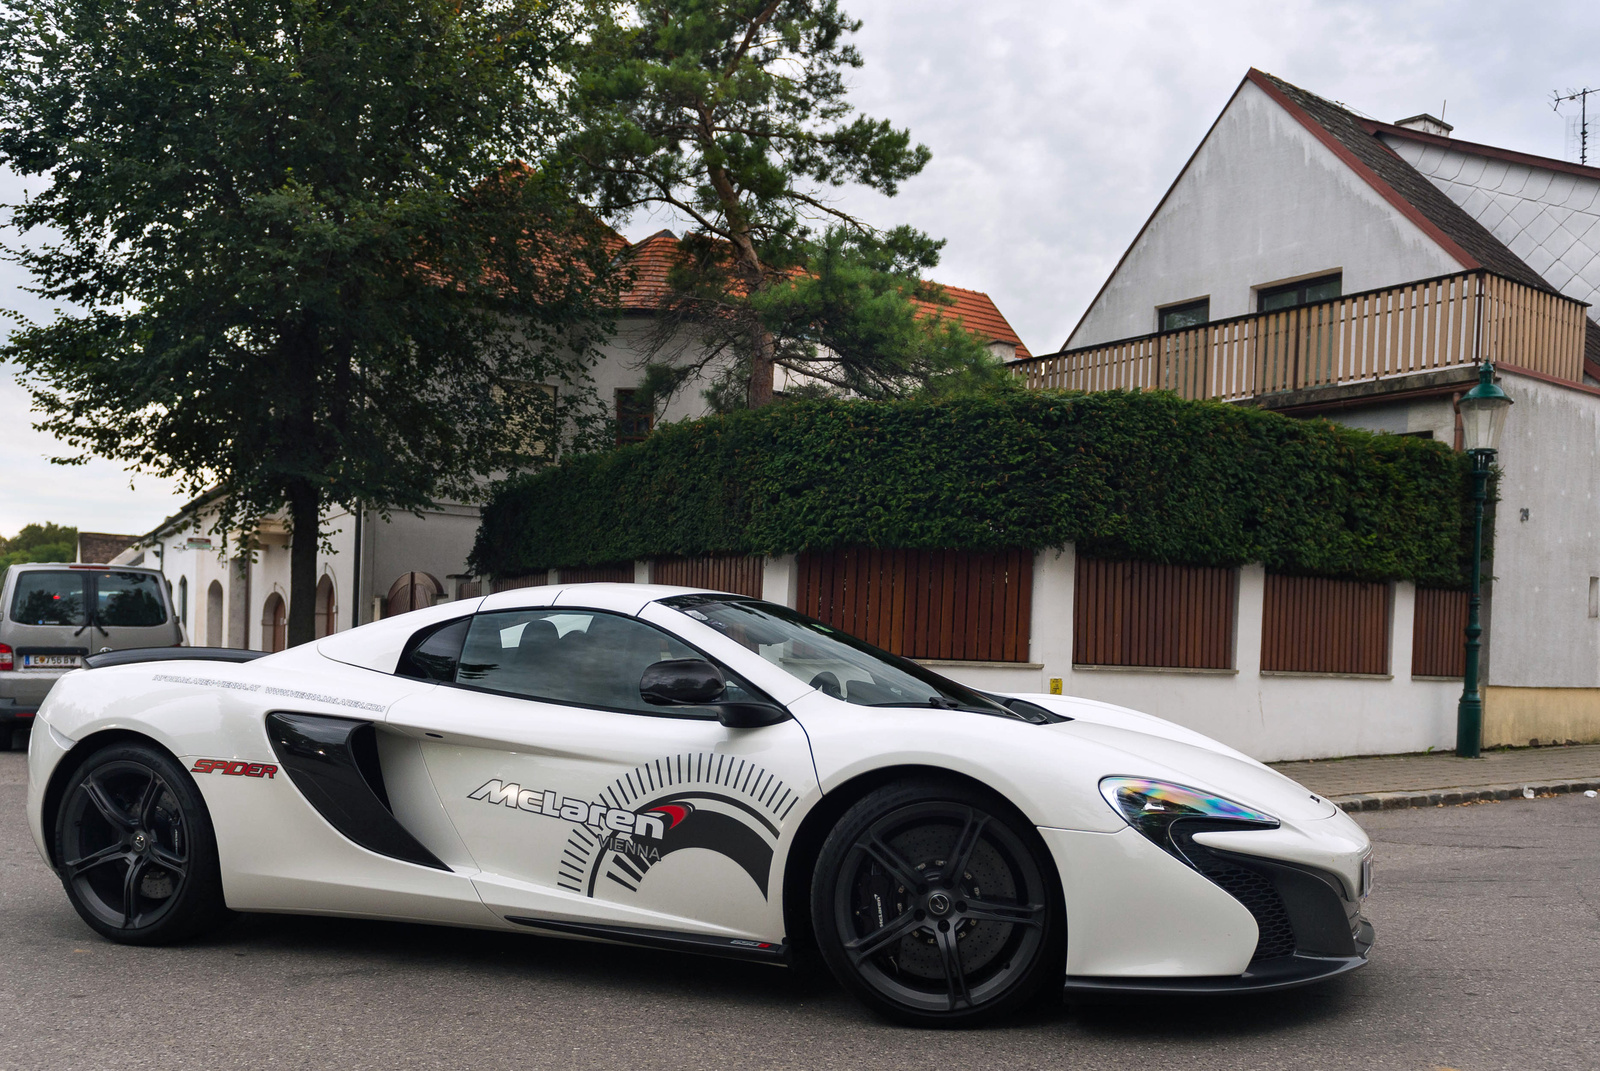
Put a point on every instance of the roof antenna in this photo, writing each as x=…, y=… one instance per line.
x=1582, y=97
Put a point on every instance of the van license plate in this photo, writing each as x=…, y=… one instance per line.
x=51, y=661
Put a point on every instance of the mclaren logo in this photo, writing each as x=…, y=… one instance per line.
x=555, y=805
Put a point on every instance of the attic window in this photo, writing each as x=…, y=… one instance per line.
x=1189, y=314
x=1305, y=292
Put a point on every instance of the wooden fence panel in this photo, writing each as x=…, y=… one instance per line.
x=738, y=573
x=939, y=604
x=1133, y=613
x=621, y=573
x=1438, y=645
x=532, y=580
x=1315, y=625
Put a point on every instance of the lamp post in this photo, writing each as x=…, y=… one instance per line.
x=1483, y=416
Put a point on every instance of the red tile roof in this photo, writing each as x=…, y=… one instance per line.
x=652, y=258
x=979, y=313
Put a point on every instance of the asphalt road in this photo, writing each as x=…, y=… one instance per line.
x=1488, y=959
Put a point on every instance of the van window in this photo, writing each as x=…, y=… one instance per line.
x=128, y=600
x=48, y=598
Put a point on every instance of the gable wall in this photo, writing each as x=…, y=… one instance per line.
x=1262, y=201
x=1550, y=219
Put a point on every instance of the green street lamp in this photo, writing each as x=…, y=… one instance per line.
x=1483, y=417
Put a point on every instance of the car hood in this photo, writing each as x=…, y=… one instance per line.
x=1160, y=749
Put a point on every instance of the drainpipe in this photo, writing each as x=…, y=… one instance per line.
x=355, y=571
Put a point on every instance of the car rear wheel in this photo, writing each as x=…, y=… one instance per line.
x=135, y=848
x=931, y=904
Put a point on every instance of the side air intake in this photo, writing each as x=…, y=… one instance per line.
x=334, y=764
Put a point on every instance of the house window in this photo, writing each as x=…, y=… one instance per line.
x=1189, y=314
x=634, y=417
x=532, y=417
x=1305, y=292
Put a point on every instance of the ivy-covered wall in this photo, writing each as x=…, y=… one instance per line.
x=1136, y=475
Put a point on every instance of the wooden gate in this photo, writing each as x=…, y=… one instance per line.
x=937, y=604
x=412, y=591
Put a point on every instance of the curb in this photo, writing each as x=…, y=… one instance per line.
x=1440, y=797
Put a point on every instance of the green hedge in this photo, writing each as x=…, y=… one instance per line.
x=1134, y=475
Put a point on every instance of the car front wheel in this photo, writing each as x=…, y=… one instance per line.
x=135, y=848
x=931, y=903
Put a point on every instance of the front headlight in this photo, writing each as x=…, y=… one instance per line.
x=1152, y=807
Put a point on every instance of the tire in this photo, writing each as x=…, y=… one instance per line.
x=936, y=905
x=136, y=849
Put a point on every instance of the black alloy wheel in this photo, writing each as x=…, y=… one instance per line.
x=931, y=903
x=135, y=848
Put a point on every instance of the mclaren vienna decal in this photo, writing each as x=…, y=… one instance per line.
x=722, y=803
x=555, y=805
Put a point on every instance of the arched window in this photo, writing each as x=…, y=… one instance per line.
x=274, y=623
x=183, y=600
x=412, y=591
x=214, y=614
x=327, y=608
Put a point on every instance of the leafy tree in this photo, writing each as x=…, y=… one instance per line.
x=47, y=542
x=732, y=115
x=305, y=268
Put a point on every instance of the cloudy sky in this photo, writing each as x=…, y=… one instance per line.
x=1055, y=128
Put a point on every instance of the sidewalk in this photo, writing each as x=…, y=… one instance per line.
x=1385, y=781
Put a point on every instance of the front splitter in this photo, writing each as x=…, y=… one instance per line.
x=1282, y=972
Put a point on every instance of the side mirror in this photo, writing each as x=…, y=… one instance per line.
x=750, y=715
x=682, y=682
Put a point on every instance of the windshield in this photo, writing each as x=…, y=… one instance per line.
x=829, y=660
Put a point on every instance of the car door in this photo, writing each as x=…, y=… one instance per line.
x=580, y=803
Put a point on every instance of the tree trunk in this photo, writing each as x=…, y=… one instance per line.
x=305, y=517
x=761, y=372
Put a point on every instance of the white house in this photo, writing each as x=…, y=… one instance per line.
x=1312, y=261
x=377, y=566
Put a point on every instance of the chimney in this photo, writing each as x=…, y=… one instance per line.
x=1427, y=124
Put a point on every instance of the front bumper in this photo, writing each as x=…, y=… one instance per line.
x=1309, y=927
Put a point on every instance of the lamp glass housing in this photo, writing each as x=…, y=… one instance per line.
x=1483, y=413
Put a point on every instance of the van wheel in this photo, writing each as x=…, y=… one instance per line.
x=931, y=904
x=137, y=852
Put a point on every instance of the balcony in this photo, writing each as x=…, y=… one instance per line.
x=1424, y=326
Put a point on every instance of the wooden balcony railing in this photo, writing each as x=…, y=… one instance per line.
x=1445, y=322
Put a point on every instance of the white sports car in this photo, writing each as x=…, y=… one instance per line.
x=697, y=771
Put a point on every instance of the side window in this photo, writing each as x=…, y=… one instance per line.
x=433, y=653
x=1305, y=292
x=48, y=598
x=1189, y=314
x=583, y=657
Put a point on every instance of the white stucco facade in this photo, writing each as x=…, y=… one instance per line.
x=1261, y=202
x=1544, y=630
